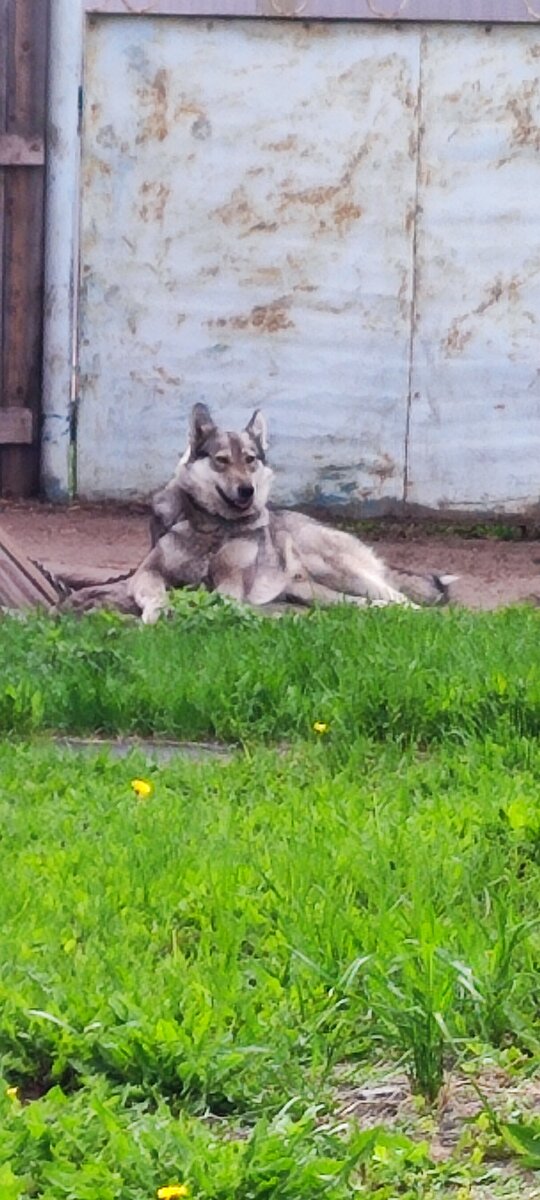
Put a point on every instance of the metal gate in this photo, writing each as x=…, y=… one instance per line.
x=23, y=51
x=335, y=221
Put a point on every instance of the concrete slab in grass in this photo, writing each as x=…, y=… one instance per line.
x=154, y=749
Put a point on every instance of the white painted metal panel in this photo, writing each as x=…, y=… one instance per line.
x=475, y=414
x=247, y=208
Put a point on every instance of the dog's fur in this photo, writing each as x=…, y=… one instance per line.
x=211, y=526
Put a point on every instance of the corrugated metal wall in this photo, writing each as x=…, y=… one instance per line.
x=337, y=222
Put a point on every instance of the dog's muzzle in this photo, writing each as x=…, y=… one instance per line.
x=243, y=498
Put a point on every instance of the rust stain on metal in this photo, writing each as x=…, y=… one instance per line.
x=174, y=380
x=526, y=129
x=97, y=166
x=155, y=196
x=403, y=296
x=314, y=197
x=263, y=275
x=237, y=209
x=288, y=143
x=317, y=196
x=385, y=468
x=346, y=213
x=265, y=318
x=456, y=338
x=338, y=199
x=154, y=97
x=188, y=108
x=499, y=290
x=411, y=214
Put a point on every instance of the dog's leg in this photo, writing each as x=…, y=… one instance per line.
x=232, y=568
x=308, y=591
x=166, y=510
x=149, y=592
x=377, y=590
x=114, y=595
x=349, y=578
x=233, y=588
x=175, y=562
x=346, y=585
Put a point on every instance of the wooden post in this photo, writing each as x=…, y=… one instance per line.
x=23, y=57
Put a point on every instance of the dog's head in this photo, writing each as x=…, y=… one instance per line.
x=226, y=473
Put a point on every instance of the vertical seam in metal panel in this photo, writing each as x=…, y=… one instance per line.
x=63, y=163
x=76, y=338
x=414, y=268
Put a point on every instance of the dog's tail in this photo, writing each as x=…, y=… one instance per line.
x=432, y=588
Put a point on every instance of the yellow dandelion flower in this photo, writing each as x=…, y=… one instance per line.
x=320, y=727
x=12, y=1093
x=175, y=1192
x=142, y=788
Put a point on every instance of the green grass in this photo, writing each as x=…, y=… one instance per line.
x=220, y=947
x=412, y=677
x=182, y=978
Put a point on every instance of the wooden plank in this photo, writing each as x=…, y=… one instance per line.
x=16, y=426
x=23, y=239
x=3, y=112
x=22, y=583
x=19, y=151
x=22, y=319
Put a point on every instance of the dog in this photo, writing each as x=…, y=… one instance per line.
x=212, y=526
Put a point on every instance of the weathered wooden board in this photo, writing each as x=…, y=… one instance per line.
x=23, y=53
x=22, y=584
x=16, y=426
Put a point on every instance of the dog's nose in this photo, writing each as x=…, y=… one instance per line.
x=246, y=491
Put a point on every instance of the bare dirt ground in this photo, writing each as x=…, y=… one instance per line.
x=109, y=539
x=449, y=1122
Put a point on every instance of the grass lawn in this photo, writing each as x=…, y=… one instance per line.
x=212, y=985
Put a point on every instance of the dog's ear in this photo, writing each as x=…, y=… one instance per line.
x=257, y=429
x=201, y=427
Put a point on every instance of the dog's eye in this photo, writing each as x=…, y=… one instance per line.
x=250, y=458
x=222, y=459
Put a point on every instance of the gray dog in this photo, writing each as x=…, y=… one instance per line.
x=211, y=526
